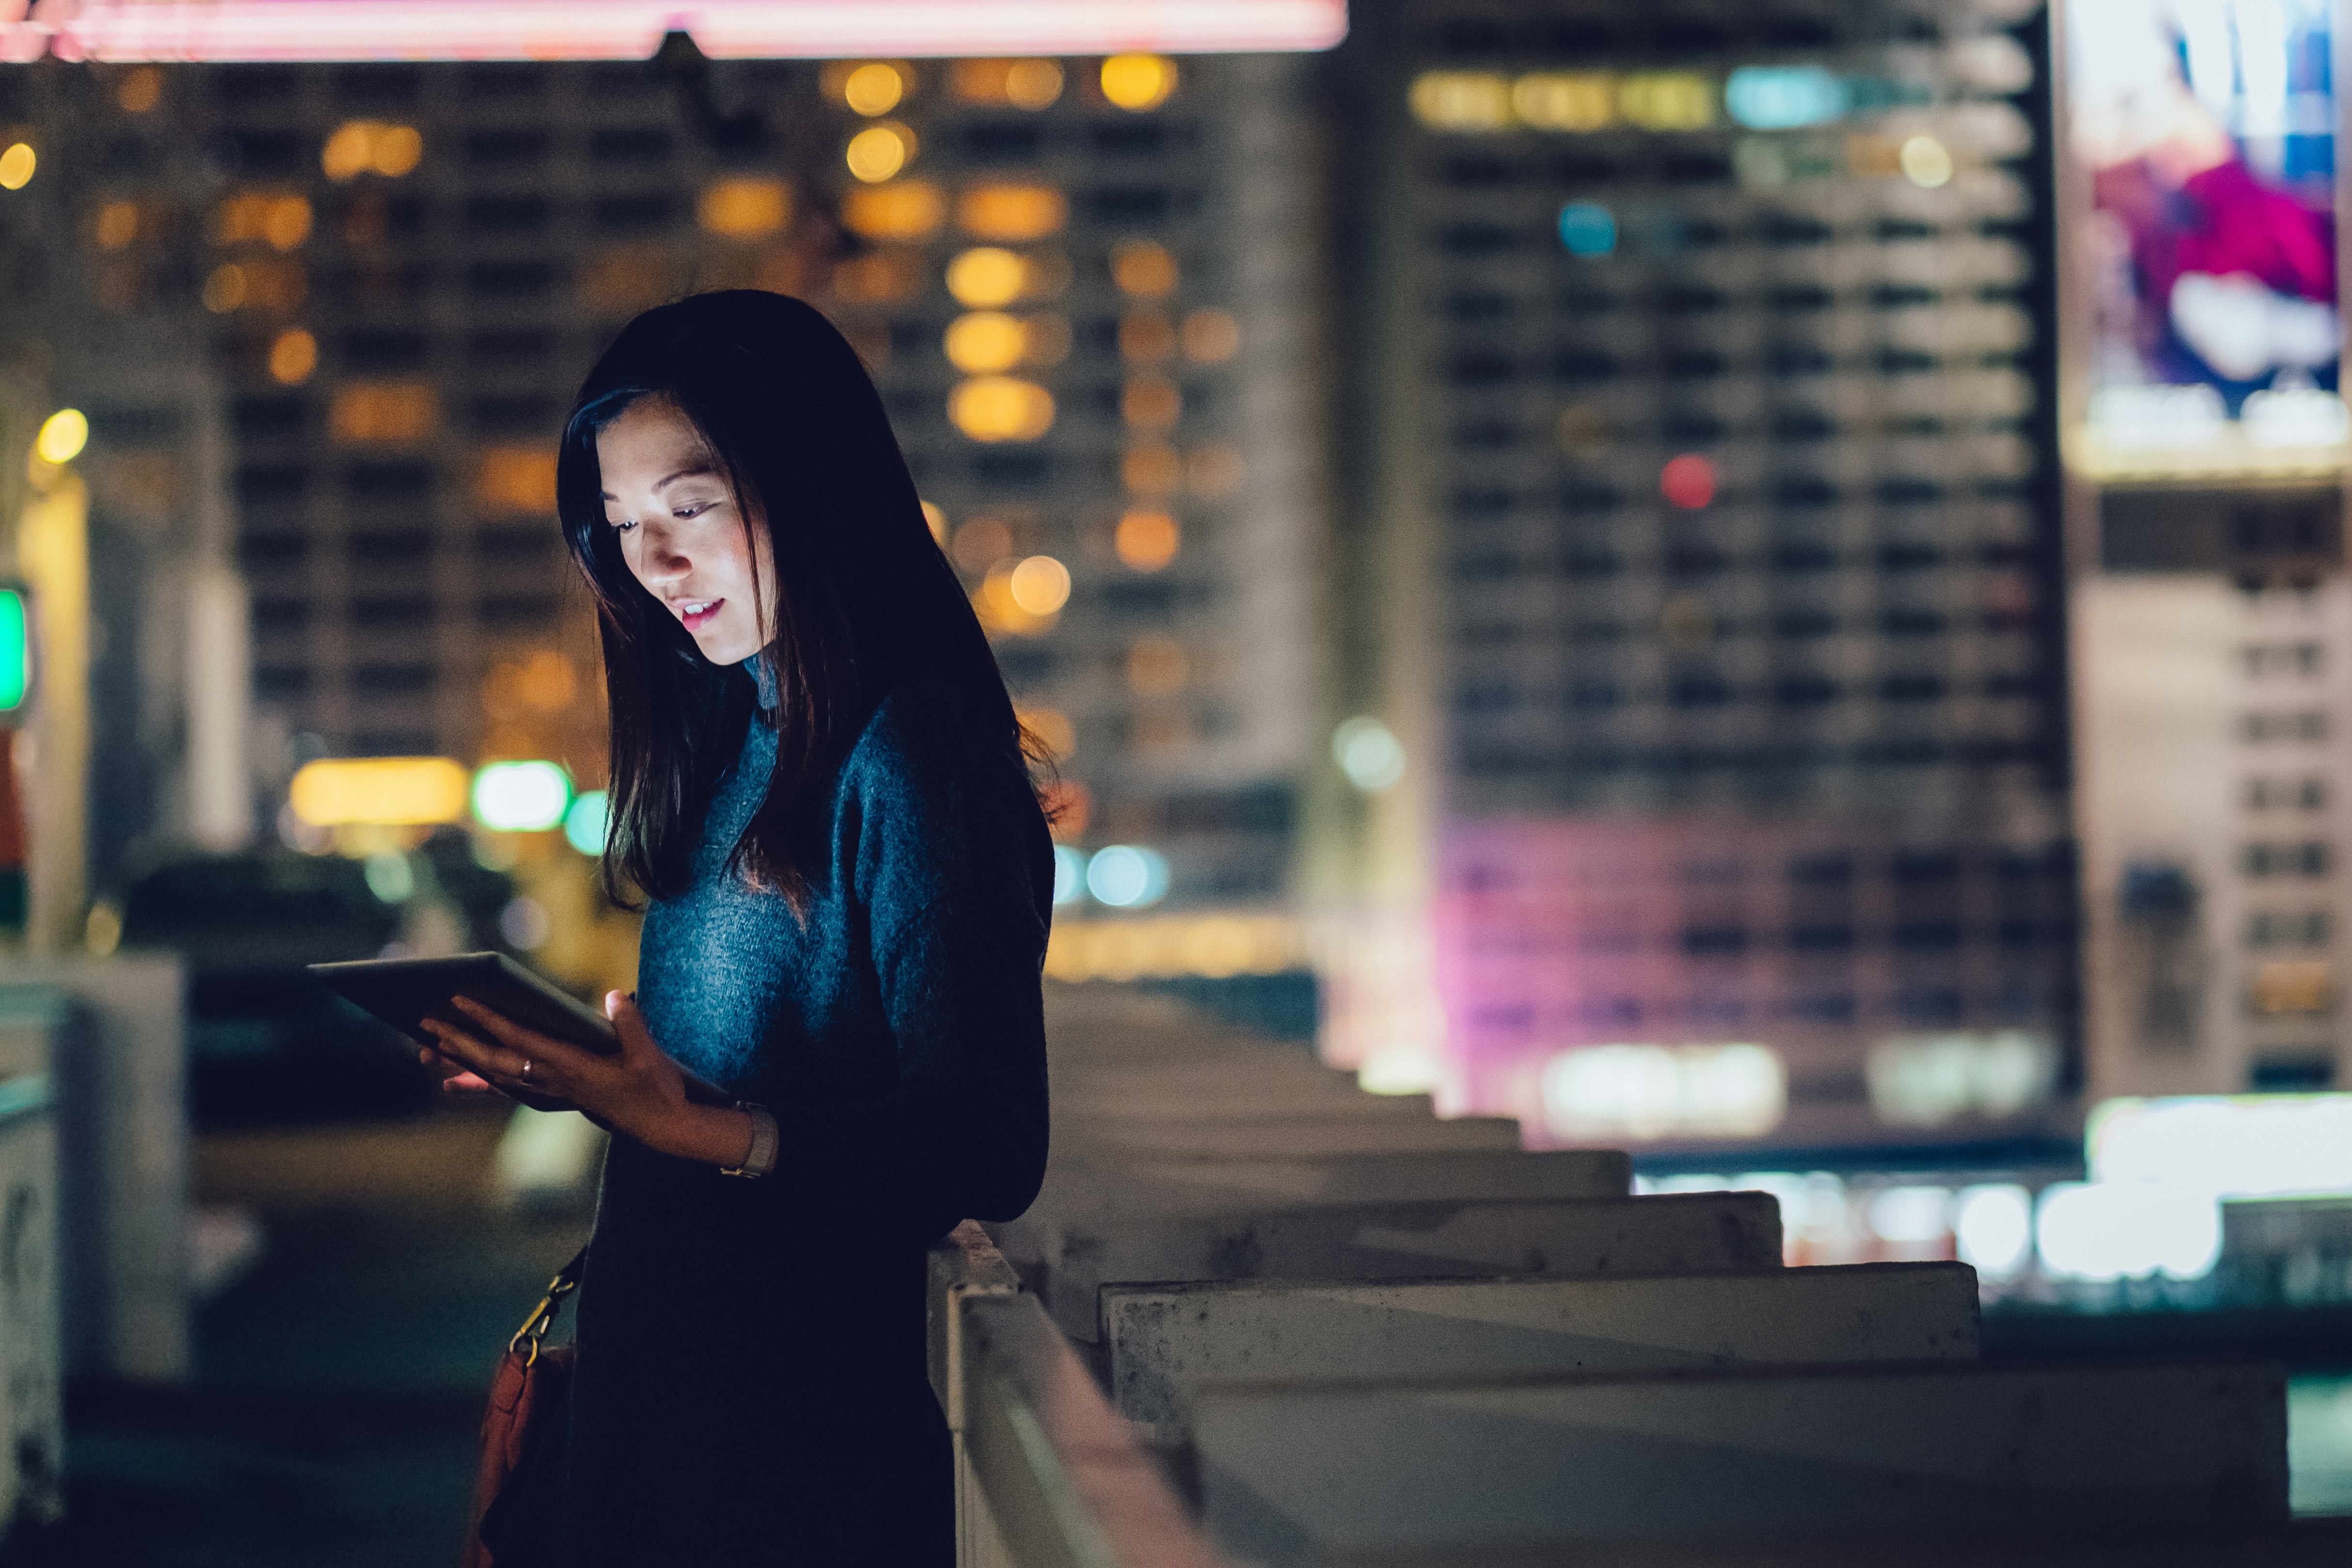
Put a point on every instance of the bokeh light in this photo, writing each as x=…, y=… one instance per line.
x=16, y=165
x=877, y=153
x=62, y=435
x=588, y=821
x=1143, y=268
x=1147, y=540
x=292, y=357
x=986, y=277
x=1001, y=408
x=1925, y=163
x=1587, y=229
x=1126, y=876
x=1069, y=874
x=874, y=88
x=1041, y=585
x=522, y=797
x=1687, y=481
x=984, y=341
x=1369, y=753
x=1139, y=82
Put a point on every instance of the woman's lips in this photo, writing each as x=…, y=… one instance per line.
x=697, y=614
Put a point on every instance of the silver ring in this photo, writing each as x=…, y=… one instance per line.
x=525, y=1069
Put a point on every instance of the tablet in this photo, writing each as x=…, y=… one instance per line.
x=403, y=992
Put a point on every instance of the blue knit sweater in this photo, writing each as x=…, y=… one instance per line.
x=750, y=1386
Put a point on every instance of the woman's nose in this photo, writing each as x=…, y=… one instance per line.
x=662, y=558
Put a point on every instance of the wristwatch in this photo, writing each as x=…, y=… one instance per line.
x=761, y=1160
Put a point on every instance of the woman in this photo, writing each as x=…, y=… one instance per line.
x=819, y=785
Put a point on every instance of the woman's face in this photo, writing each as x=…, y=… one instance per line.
x=682, y=533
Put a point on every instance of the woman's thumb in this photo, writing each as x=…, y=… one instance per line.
x=627, y=1022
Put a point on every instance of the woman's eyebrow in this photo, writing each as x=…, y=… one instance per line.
x=663, y=483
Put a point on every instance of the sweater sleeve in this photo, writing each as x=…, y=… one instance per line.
x=948, y=862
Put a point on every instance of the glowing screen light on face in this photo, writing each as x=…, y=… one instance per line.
x=1587, y=229
x=520, y=797
x=1783, y=97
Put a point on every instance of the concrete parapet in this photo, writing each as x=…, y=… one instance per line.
x=1167, y=1341
x=1299, y=1473
x=1072, y=1255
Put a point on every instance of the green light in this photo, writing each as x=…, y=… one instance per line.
x=520, y=797
x=15, y=649
x=585, y=825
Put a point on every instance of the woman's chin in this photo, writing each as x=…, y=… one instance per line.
x=721, y=648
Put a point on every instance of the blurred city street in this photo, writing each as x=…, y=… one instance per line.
x=339, y=1382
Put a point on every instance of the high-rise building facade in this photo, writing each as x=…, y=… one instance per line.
x=1718, y=574
x=1080, y=285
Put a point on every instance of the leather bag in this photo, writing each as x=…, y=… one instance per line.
x=530, y=1383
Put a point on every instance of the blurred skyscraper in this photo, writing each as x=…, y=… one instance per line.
x=326, y=320
x=1708, y=497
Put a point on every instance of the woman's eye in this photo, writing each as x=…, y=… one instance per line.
x=691, y=510
x=623, y=524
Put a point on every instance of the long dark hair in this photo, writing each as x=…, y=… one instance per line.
x=864, y=594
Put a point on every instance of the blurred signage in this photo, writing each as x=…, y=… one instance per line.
x=16, y=649
x=378, y=791
x=2208, y=132
x=120, y=30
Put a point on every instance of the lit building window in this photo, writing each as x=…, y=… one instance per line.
x=1141, y=267
x=745, y=208
x=1659, y=1091
x=1667, y=100
x=293, y=355
x=879, y=276
x=263, y=285
x=988, y=277
x=985, y=341
x=1461, y=100
x=1012, y=211
x=1565, y=100
x=877, y=153
x=1150, y=403
x=1021, y=84
x=371, y=147
x=383, y=412
x=124, y=222
x=874, y=88
x=1138, y=82
x=1151, y=468
x=909, y=210
x=1145, y=337
x=1146, y=541
x=1001, y=408
x=141, y=90
x=509, y=480
x=1212, y=336
x=1924, y=163
x=254, y=218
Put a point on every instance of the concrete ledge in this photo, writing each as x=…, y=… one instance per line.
x=1075, y=1255
x=1168, y=1340
x=1289, y=1474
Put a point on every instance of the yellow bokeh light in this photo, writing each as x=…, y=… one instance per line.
x=141, y=90
x=1147, y=540
x=987, y=277
x=909, y=210
x=1003, y=211
x=877, y=153
x=224, y=289
x=1212, y=336
x=62, y=435
x=1461, y=100
x=1000, y=611
x=117, y=224
x=744, y=208
x=873, y=89
x=293, y=357
x=985, y=341
x=514, y=480
x=1667, y=100
x=879, y=276
x=935, y=519
x=1033, y=84
x=1001, y=408
x=16, y=166
x=1139, y=82
x=371, y=146
x=383, y=411
x=1143, y=268
x=1040, y=585
x=380, y=791
x=288, y=223
x=1925, y=163
x=1151, y=468
x=1565, y=100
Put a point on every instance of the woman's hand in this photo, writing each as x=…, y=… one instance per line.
x=640, y=1091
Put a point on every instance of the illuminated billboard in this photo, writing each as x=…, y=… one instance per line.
x=2205, y=134
x=166, y=30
